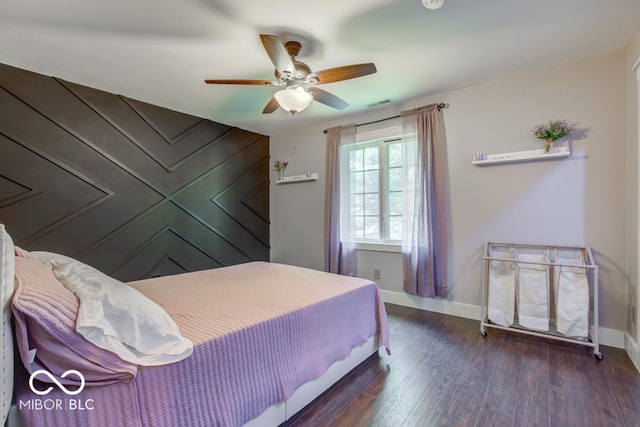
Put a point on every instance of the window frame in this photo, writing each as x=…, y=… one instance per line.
x=381, y=139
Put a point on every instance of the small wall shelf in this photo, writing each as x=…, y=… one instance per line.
x=523, y=156
x=297, y=178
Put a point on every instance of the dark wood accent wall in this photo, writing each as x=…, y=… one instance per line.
x=133, y=189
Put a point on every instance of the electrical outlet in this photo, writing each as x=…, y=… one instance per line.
x=376, y=273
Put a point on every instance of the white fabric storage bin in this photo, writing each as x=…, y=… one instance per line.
x=555, y=290
x=572, y=298
x=502, y=289
x=533, y=291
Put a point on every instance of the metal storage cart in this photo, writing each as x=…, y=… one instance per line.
x=555, y=267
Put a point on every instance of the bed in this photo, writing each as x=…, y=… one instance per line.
x=266, y=339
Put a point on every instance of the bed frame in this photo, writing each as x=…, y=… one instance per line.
x=272, y=416
x=7, y=265
x=305, y=394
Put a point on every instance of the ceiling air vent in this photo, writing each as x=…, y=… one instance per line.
x=375, y=104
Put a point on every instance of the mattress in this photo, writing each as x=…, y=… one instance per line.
x=260, y=330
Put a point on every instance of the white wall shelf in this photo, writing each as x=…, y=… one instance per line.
x=297, y=178
x=523, y=156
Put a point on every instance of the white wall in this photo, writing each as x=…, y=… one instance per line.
x=633, y=87
x=579, y=200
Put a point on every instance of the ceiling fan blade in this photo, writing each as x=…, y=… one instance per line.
x=271, y=106
x=278, y=54
x=241, y=82
x=343, y=73
x=327, y=98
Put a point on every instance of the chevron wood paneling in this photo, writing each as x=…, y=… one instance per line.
x=133, y=189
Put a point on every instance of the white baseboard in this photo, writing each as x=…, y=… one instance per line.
x=607, y=336
x=631, y=347
x=432, y=304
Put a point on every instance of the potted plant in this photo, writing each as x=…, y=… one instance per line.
x=552, y=131
x=280, y=166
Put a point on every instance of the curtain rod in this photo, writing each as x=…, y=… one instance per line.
x=441, y=106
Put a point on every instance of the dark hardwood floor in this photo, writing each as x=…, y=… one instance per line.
x=442, y=372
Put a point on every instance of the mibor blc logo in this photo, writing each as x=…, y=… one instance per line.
x=48, y=404
x=56, y=382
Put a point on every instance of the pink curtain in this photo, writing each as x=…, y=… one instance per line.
x=424, y=245
x=340, y=255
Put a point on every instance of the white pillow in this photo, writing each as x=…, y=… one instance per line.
x=116, y=317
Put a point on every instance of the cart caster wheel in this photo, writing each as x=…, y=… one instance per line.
x=598, y=356
x=483, y=333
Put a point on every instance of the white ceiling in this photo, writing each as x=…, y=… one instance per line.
x=160, y=51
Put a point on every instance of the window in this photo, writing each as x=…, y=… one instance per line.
x=373, y=189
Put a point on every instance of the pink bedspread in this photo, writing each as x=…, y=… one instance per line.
x=260, y=330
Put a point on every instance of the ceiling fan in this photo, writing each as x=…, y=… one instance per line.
x=298, y=80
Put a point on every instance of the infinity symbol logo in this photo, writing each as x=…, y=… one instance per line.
x=54, y=380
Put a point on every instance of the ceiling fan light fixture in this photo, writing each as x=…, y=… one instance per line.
x=293, y=99
x=432, y=4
